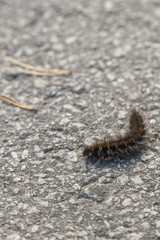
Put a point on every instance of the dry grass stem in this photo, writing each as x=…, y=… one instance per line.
x=56, y=73
x=13, y=101
x=29, y=69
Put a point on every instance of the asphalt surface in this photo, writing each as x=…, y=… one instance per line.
x=48, y=189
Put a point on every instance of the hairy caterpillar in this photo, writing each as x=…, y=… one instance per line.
x=123, y=144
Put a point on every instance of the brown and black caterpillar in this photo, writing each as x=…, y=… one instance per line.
x=122, y=145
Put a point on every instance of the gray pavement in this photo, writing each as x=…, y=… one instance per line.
x=48, y=190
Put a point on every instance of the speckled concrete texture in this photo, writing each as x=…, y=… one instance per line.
x=48, y=190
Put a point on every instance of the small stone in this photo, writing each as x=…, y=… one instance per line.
x=34, y=228
x=40, y=155
x=154, y=213
x=157, y=233
x=16, y=179
x=145, y=225
x=44, y=203
x=152, y=121
x=52, y=92
x=23, y=167
x=134, y=236
x=79, y=126
x=16, y=190
x=69, y=235
x=107, y=224
x=127, y=202
x=147, y=210
x=108, y=6
x=134, y=96
x=22, y=206
x=91, y=64
x=70, y=108
x=76, y=187
x=157, y=222
x=58, y=47
x=72, y=201
x=122, y=180
x=137, y=180
x=33, y=210
x=40, y=83
x=122, y=115
x=109, y=201
x=14, y=155
x=80, y=219
x=72, y=156
x=82, y=233
x=71, y=40
x=41, y=181
x=36, y=148
x=111, y=76
x=25, y=154
x=13, y=236
x=120, y=80
x=147, y=156
x=121, y=51
x=15, y=159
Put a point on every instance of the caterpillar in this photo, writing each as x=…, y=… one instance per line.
x=122, y=145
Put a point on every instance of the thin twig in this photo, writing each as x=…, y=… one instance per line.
x=19, y=63
x=56, y=73
x=37, y=69
x=13, y=101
